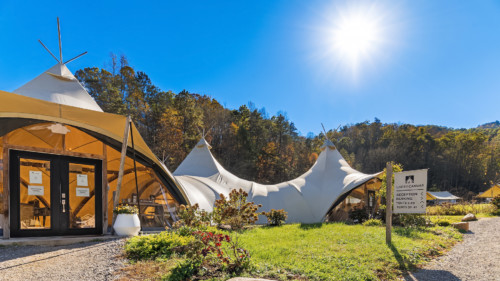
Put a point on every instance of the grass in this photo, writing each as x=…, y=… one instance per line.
x=336, y=251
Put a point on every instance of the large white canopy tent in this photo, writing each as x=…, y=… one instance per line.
x=306, y=199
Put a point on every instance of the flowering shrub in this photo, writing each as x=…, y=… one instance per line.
x=126, y=209
x=235, y=211
x=276, y=217
x=217, y=251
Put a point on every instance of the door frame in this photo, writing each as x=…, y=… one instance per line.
x=59, y=177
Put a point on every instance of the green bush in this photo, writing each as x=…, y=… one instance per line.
x=161, y=245
x=192, y=217
x=447, y=209
x=496, y=202
x=276, y=217
x=373, y=222
x=358, y=215
x=410, y=220
x=235, y=210
x=442, y=222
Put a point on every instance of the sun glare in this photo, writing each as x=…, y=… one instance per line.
x=352, y=37
x=355, y=37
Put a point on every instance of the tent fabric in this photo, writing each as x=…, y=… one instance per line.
x=306, y=199
x=16, y=108
x=492, y=192
x=58, y=85
x=441, y=195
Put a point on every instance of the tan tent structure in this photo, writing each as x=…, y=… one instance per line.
x=439, y=197
x=491, y=193
x=52, y=153
x=326, y=192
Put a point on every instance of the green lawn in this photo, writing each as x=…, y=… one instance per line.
x=337, y=251
x=453, y=219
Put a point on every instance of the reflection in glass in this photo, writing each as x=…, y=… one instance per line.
x=81, y=196
x=34, y=194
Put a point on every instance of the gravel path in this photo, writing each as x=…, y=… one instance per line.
x=85, y=261
x=476, y=258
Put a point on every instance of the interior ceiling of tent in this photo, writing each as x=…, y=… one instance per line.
x=307, y=199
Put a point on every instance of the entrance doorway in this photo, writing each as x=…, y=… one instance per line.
x=54, y=195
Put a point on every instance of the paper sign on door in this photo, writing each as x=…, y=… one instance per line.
x=35, y=190
x=36, y=177
x=82, y=192
x=82, y=180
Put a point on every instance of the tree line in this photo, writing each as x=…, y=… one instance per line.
x=268, y=149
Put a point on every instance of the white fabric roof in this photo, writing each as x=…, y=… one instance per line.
x=307, y=199
x=58, y=85
x=442, y=195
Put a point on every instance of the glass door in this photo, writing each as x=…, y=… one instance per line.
x=54, y=195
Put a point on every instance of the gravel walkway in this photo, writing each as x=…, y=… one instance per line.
x=476, y=258
x=85, y=261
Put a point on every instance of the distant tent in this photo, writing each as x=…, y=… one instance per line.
x=307, y=199
x=491, y=193
x=441, y=197
x=58, y=85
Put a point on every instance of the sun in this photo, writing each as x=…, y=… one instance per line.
x=356, y=37
x=353, y=38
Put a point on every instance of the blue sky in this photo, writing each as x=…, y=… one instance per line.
x=436, y=62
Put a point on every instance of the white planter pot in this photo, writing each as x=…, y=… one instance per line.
x=127, y=224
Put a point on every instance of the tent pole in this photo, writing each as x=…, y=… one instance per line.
x=135, y=170
x=388, y=210
x=122, y=165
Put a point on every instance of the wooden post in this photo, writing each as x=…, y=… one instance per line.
x=105, y=190
x=388, y=210
x=122, y=165
x=6, y=191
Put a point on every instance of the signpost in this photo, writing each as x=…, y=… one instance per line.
x=410, y=190
x=410, y=193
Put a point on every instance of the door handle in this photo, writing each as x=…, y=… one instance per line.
x=63, y=202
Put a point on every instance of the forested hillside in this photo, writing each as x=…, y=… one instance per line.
x=268, y=149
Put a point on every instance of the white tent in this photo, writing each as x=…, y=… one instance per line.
x=58, y=85
x=306, y=199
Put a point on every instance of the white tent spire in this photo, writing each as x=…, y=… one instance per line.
x=58, y=84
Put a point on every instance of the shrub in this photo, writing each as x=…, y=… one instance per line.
x=410, y=220
x=191, y=218
x=125, y=209
x=496, y=202
x=161, y=245
x=358, y=215
x=447, y=209
x=235, y=211
x=373, y=222
x=275, y=217
x=443, y=222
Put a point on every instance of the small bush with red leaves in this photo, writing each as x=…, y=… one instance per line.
x=235, y=211
x=215, y=253
x=276, y=217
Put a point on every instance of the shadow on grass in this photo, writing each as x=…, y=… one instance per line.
x=306, y=226
x=404, y=265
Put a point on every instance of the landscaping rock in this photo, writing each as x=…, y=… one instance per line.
x=461, y=225
x=247, y=279
x=469, y=217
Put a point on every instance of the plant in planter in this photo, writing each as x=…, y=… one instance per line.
x=127, y=221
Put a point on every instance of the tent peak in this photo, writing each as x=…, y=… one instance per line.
x=203, y=143
x=328, y=144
